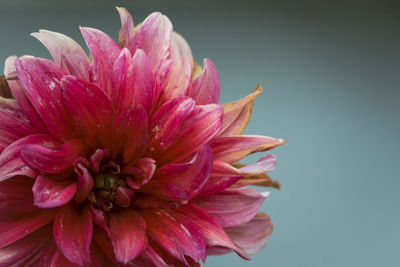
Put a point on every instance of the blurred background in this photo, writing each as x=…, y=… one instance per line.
x=331, y=77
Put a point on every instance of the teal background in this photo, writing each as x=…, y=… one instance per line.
x=331, y=75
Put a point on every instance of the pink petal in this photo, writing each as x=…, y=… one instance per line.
x=153, y=36
x=98, y=156
x=127, y=32
x=11, y=162
x=251, y=236
x=40, y=79
x=66, y=52
x=167, y=124
x=237, y=114
x=209, y=228
x=200, y=127
x=18, y=224
x=19, y=94
x=129, y=138
x=104, y=51
x=149, y=257
x=225, y=175
x=90, y=109
x=189, y=177
x=85, y=179
x=234, y=148
x=180, y=79
x=23, y=248
x=206, y=88
x=176, y=234
x=263, y=165
x=72, y=231
x=127, y=234
x=52, y=157
x=135, y=80
x=124, y=196
x=232, y=207
x=49, y=193
x=13, y=127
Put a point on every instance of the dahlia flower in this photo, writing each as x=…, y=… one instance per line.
x=125, y=156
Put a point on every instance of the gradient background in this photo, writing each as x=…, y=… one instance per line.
x=331, y=75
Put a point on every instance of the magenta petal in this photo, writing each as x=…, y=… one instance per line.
x=40, y=79
x=18, y=224
x=51, y=256
x=66, y=53
x=23, y=248
x=49, y=193
x=200, y=127
x=13, y=127
x=127, y=234
x=180, y=78
x=104, y=51
x=16, y=195
x=72, y=231
x=251, y=236
x=189, y=177
x=135, y=80
x=234, y=148
x=19, y=94
x=124, y=196
x=11, y=162
x=206, y=88
x=130, y=134
x=177, y=234
x=232, y=207
x=53, y=158
x=90, y=109
x=125, y=35
x=167, y=124
x=213, y=233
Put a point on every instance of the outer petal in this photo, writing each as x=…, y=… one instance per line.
x=225, y=175
x=130, y=134
x=206, y=88
x=209, y=228
x=23, y=248
x=73, y=230
x=104, y=51
x=11, y=163
x=127, y=32
x=237, y=114
x=177, y=235
x=66, y=53
x=180, y=79
x=200, y=127
x=258, y=180
x=234, y=148
x=16, y=195
x=90, y=109
x=51, y=256
x=232, y=207
x=41, y=81
x=135, y=80
x=153, y=36
x=127, y=234
x=51, y=157
x=251, y=236
x=13, y=127
x=20, y=96
x=185, y=179
x=50, y=193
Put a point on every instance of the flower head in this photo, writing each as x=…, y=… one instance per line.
x=125, y=156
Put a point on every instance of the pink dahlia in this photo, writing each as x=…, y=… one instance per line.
x=125, y=157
